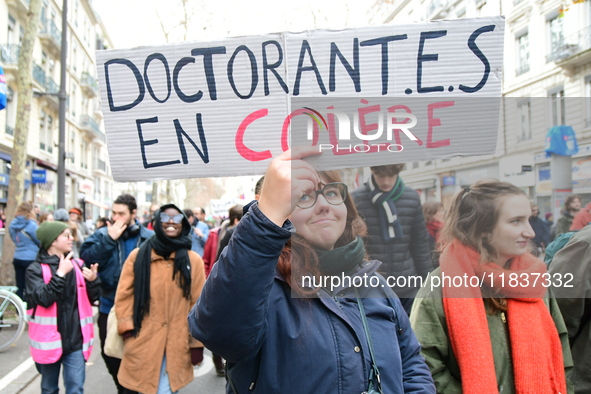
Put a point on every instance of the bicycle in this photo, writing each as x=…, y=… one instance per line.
x=12, y=317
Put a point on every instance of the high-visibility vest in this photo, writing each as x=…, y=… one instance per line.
x=44, y=339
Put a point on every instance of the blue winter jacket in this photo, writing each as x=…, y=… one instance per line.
x=23, y=234
x=109, y=254
x=246, y=313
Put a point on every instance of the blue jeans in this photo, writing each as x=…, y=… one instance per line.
x=74, y=374
x=163, y=383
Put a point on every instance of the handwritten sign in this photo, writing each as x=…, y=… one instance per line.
x=365, y=96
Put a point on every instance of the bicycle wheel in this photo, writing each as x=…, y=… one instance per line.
x=12, y=319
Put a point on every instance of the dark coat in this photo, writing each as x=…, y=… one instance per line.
x=102, y=249
x=316, y=345
x=409, y=256
x=572, y=264
x=63, y=291
x=541, y=230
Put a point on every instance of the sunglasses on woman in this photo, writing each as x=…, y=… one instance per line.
x=164, y=218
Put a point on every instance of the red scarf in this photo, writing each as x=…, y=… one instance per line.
x=536, y=350
x=434, y=228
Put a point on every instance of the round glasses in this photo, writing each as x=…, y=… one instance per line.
x=164, y=218
x=334, y=194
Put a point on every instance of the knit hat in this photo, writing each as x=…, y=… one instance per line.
x=547, y=215
x=49, y=231
x=61, y=215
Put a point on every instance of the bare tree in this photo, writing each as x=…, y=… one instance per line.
x=21, y=131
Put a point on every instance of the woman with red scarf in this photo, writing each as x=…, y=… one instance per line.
x=484, y=322
x=434, y=214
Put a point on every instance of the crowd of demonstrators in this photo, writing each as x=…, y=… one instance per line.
x=60, y=291
x=109, y=247
x=549, y=223
x=397, y=234
x=332, y=341
x=255, y=311
x=434, y=213
x=45, y=217
x=159, y=283
x=581, y=218
x=23, y=233
x=199, y=213
x=572, y=205
x=199, y=232
x=494, y=337
x=148, y=223
x=541, y=237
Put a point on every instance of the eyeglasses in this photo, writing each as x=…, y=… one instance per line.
x=164, y=218
x=334, y=193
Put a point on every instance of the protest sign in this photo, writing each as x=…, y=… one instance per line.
x=365, y=96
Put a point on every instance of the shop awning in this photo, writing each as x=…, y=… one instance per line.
x=48, y=165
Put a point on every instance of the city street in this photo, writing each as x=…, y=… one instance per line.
x=18, y=373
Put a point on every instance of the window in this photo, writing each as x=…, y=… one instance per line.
x=588, y=102
x=46, y=132
x=10, y=111
x=524, y=120
x=556, y=41
x=73, y=101
x=522, y=54
x=72, y=147
x=74, y=56
x=557, y=107
x=11, y=29
x=83, y=154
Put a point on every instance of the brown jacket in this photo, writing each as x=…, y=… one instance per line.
x=164, y=330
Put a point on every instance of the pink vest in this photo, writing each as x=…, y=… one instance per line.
x=44, y=339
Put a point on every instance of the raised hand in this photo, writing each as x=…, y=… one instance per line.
x=116, y=229
x=287, y=179
x=65, y=265
x=90, y=274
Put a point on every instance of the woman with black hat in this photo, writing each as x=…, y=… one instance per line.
x=160, y=282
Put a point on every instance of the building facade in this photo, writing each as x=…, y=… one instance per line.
x=546, y=83
x=89, y=184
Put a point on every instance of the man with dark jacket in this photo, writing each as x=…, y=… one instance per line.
x=396, y=227
x=542, y=238
x=109, y=247
x=570, y=273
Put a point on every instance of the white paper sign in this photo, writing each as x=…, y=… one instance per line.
x=366, y=96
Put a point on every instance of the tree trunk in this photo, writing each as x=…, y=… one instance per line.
x=19, y=151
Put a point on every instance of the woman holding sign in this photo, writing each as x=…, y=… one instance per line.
x=484, y=318
x=160, y=281
x=253, y=311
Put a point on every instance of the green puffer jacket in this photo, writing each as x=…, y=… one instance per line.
x=428, y=322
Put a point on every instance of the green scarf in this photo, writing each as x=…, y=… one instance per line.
x=342, y=259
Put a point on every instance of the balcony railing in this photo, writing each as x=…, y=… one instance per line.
x=52, y=87
x=50, y=31
x=88, y=123
x=88, y=84
x=572, y=45
x=39, y=75
x=9, y=54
